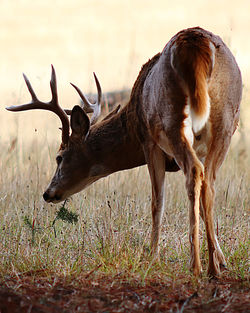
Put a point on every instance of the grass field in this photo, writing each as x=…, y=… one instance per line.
x=104, y=255
x=106, y=251
x=114, y=218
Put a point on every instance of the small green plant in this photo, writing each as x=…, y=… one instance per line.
x=65, y=215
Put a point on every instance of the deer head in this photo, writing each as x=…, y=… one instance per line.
x=75, y=168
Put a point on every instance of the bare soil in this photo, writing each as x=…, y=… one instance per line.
x=34, y=293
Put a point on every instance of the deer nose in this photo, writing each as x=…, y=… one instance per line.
x=46, y=196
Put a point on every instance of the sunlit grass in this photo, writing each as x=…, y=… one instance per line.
x=114, y=220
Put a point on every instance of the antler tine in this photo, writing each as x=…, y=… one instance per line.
x=29, y=106
x=53, y=87
x=88, y=107
x=99, y=89
x=32, y=92
x=97, y=108
x=53, y=105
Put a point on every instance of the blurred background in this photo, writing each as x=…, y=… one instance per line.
x=111, y=37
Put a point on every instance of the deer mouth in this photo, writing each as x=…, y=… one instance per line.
x=52, y=199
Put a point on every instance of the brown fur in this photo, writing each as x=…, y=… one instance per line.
x=123, y=132
x=192, y=59
x=134, y=107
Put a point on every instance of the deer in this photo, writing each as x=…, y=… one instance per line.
x=183, y=110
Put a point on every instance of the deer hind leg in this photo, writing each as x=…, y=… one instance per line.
x=155, y=158
x=193, y=169
x=212, y=164
x=194, y=177
x=216, y=257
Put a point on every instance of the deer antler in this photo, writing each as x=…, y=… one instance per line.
x=52, y=105
x=89, y=107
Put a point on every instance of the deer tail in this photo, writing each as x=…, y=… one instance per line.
x=192, y=57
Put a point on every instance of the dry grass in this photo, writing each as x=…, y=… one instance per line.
x=114, y=219
x=111, y=237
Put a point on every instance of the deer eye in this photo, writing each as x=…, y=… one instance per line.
x=58, y=159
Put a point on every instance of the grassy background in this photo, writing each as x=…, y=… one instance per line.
x=113, y=38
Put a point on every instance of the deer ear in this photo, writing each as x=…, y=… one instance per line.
x=79, y=123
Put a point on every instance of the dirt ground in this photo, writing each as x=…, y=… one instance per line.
x=37, y=294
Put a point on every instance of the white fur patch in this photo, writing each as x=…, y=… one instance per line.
x=198, y=122
x=188, y=132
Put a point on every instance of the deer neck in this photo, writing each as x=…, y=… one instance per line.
x=114, y=144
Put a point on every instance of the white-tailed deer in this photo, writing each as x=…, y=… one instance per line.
x=182, y=113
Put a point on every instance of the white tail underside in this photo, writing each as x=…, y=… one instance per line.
x=194, y=123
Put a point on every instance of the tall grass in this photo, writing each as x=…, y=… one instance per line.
x=113, y=229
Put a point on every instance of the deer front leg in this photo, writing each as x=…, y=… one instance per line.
x=156, y=166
